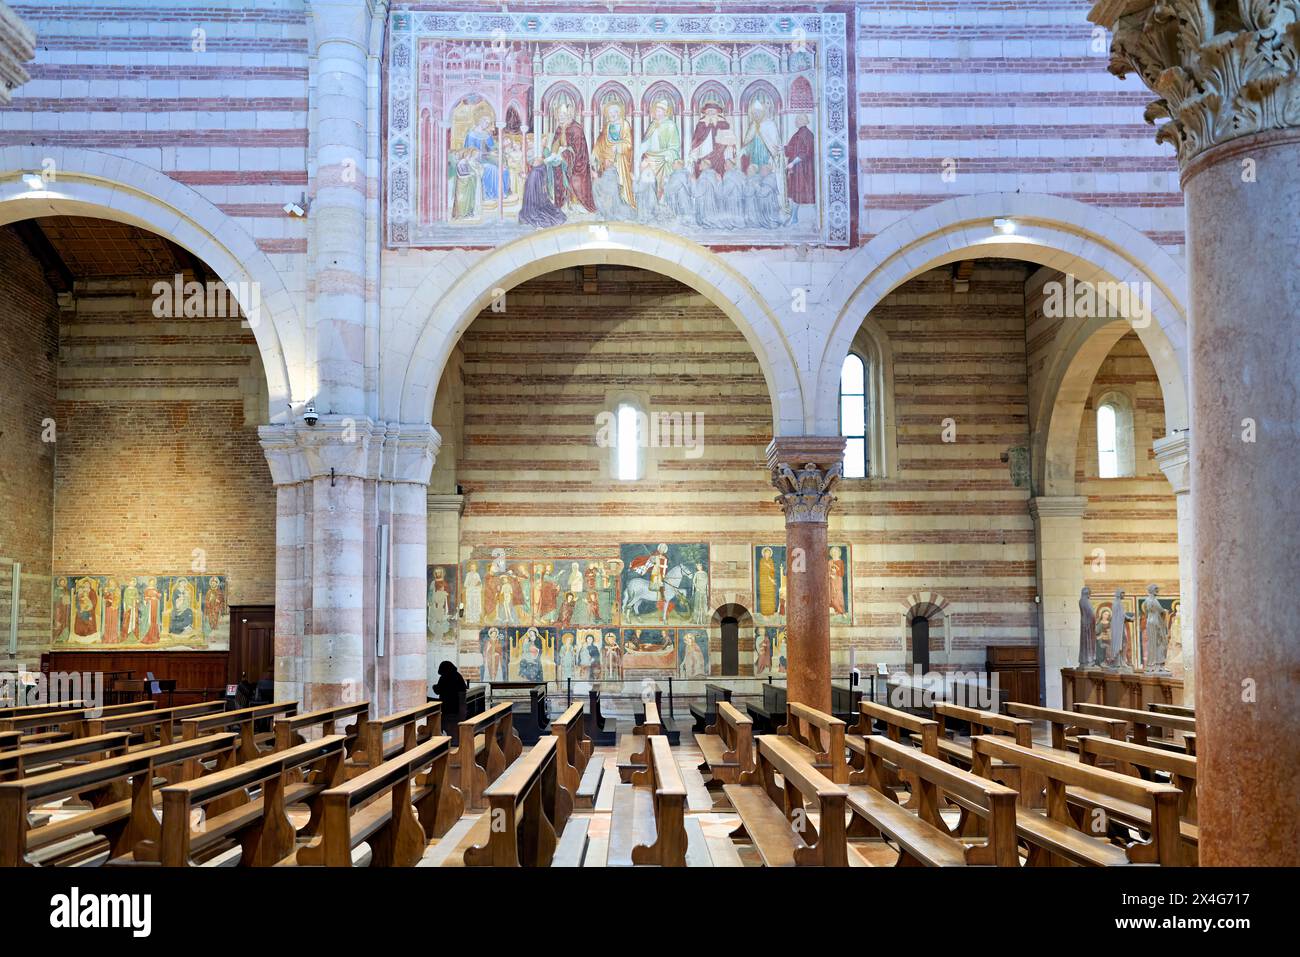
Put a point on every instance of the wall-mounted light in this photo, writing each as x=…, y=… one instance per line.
x=1004, y=225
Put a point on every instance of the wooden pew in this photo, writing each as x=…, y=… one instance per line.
x=243, y=722
x=398, y=829
x=728, y=747
x=1066, y=725
x=667, y=807
x=16, y=711
x=1143, y=721
x=70, y=720
x=414, y=725
x=989, y=722
x=706, y=718
x=20, y=762
x=121, y=814
x=1142, y=761
x=573, y=752
x=261, y=827
x=289, y=731
x=770, y=714
x=896, y=723
x=596, y=722
x=487, y=746
x=1179, y=710
x=1056, y=836
x=527, y=810
x=819, y=737
x=775, y=818
x=153, y=725
x=10, y=739
x=923, y=838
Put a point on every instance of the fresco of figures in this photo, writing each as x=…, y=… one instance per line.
x=588, y=654
x=725, y=130
x=575, y=591
x=769, y=652
x=649, y=649
x=517, y=654
x=693, y=654
x=770, y=588
x=158, y=612
x=665, y=584
x=441, y=602
x=498, y=591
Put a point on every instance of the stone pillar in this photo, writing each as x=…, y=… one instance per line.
x=805, y=470
x=17, y=46
x=1228, y=77
x=1058, y=560
x=1173, y=457
x=337, y=484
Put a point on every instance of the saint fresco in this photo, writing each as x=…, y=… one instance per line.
x=498, y=591
x=163, y=612
x=441, y=602
x=693, y=654
x=726, y=130
x=568, y=592
x=769, y=652
x=649, y=649
x=665, y=584
x=770, y=586
x=517, y=654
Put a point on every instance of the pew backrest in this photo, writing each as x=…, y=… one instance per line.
x=527, y=808
x=896, y=722
x=158, y=724
x=289, y=730
x=19, y=762
x=243, y=719
x=823, y=735
x=1140, y=721
x=737, y=732
x=1130, y=758
x=416, y=724
x=1019, y=729
x=1062, y=722
x=804, y=783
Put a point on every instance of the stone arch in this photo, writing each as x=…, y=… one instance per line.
x=444, y=305
x=933, y=607
x=94, y=184
x=744, y=632
x=1052, y=231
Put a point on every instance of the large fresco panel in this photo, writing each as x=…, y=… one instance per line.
x=153, y=612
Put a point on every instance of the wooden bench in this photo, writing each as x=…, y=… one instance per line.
x=573, y=752
x=260, y=826
x=16, y=711
x=69, y=720
x=1178, y=710
x=397, y=830
x=667, y=807
x=290, y=731
x=1056, y=836
x=896, y=723
x=1066, y=725
x=10, y=740
x=1141, y=723
x=596, y=722
x=487, y=746
x=527, y=810
x=18, y=763
x=728, y=747
x=243, y=722
x=153, y=725
x=988, y=722
x=1142, y=761
x=775, y=818
x=411, y=727
x=706, y=718
x=530, y=717
x=634, y=747
x=769, y=715
x=923, y=838
x=121, y=794
x=819, y=737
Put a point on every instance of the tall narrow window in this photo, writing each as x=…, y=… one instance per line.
x=1107, y=453
x=627, y=446
x=1115, y=452
x=853, y=415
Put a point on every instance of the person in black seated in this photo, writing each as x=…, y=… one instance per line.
x=450, y=689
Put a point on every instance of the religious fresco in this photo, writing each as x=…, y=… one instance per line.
x=588, y=654
x=440, y=600
x=665, y=584
x=727, y=129
x=517, y=654
x=770, y=584
x=157, y=612
x=692, y=653
x=769, y=652
x=574, y=591
x=498, y=591
x=649, y=649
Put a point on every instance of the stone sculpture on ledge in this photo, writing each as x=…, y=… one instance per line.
x=1157, y=633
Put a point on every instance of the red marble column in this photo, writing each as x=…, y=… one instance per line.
x=804, y=471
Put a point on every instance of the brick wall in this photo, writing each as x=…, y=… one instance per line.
x=29, y=324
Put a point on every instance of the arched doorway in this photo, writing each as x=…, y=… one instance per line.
x=733, y=628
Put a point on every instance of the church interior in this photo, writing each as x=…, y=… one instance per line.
x=578, y=434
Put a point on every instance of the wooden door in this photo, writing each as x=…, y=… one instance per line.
x=252, y=642
x=921, y=643
x=730, y=646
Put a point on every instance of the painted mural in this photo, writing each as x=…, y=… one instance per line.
x=518, y=654
x=575, y=591
x=665, y=584
x=769, y=652
x=693, y=654
x=649, y=649
x=441, y=601
x=770, y=570
x=498, y=591
x=726, y=129
x=154, y=612
x=588, y=654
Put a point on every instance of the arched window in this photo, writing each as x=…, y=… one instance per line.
x=853, y=415
x=628, y=463
x=1115, y=437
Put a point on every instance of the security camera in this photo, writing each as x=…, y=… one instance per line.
x=309, y=416
x=293, y=209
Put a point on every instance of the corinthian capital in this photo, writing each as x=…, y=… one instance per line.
x=17, y=46
x=1222, y=68
x=806, y=492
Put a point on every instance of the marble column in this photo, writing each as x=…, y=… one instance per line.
x=17, y=46
x=1173, y=456
x=1058, y=559
x=1228, y=78
x=805, y=470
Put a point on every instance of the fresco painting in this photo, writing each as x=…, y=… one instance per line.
x=770, y=586
x=157, y=612
x=518, y=653
x=769, y=652
x=498, y=591
x=649, y=649
x=441, y=600
x=693, y=653
x=569, y=592
x=665, y=584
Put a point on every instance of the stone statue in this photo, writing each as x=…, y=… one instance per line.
x=1117, y=658
x=1156, y=647
x=1087, y=630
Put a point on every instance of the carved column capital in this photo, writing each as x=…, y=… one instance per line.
x=1173, y=455
x=805, y=470
x=17, y=46
x=346, y=446
x=1222, y=70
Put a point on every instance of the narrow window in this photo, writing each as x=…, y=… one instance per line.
x=1107, y=442
x=853, y=415
x=627, y=448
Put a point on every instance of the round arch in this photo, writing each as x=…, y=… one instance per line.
x=1052, y=231
x=443, y=310
x=93, y=184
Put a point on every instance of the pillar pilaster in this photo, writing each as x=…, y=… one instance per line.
x=1173, y=455
x=1058, y=559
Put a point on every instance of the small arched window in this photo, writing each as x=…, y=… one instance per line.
x=853, y=415
x=628, y=463
x=1115, y=437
